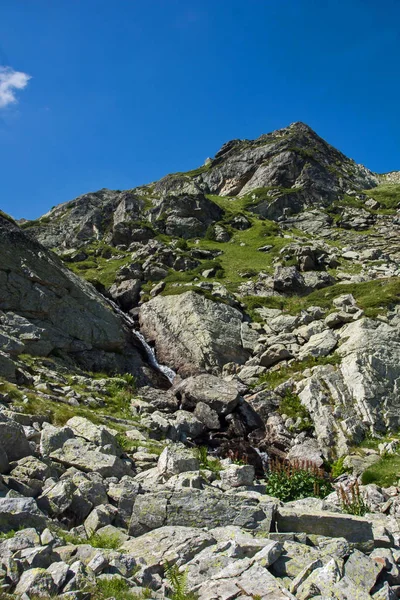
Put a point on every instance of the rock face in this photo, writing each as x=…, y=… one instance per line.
x=293, y=157
x=45, y=309
x=362, y=392
x=192, y=333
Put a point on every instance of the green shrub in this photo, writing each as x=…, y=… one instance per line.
x=351, y=500
x=210, y=233
x=182, y=244
x=338, y=468
x=178, y=582
x=116, y=588
x=295, y=481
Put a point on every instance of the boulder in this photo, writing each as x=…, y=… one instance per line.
x=77, y=453
x=53, y=438
x=173, y=461
x=126, y=293
x=237, y=475
x=36, y=582
x=288, y=280
x=362, y=570
x=46, y=307
x=359, y=395
x=98, y=434
x=200, y=508
x=7, y=367
x=356, y=530
x=168, y=544
x=221, y=396
x=319, y=344
x=243, y=578
x=13, y=439
x=192, y=333
x=17, y=513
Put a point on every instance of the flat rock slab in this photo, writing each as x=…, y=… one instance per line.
x=356, y=530
x=242, y=578
x=200, y=508
x=168, y=544
x=75, y=453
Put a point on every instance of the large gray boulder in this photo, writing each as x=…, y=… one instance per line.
x=185, y=215
x=243, y=578
x=356, y=530
x=192, y=333
x=97, y=434
x=17, y=513
x=221, y=396
x=13, y=439
x=200, y=508
x=76, y=453
x=168, y=544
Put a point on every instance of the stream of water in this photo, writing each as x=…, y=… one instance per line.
x=151, y=355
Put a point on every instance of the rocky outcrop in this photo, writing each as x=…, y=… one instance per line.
x=47, y=309
x=361, y=395
x=193, y=334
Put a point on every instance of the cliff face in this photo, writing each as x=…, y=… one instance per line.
x=47, y=310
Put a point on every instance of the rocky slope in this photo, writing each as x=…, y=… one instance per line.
x=268, y=281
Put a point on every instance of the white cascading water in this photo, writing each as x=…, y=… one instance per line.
x=169, y=373
x=264, y=457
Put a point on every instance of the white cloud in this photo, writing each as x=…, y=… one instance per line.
x=10, y=81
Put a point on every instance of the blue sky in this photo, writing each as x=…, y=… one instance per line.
x=123, y=92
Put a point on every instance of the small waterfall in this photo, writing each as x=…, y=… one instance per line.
x=264, y=457
x=169, y=373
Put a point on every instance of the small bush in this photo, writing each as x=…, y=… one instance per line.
x=182, y=244
x=8, y=535
x=210, y=233
x=338, y=468
x=178, y=582
x=297, y=480
x=351, y=500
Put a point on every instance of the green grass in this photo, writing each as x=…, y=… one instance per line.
x=237, y=204
x=237, y=258
x=7, y=217
x=384, y=473
x=7, y=536
x=118, y=589
x=104, y=540
x=205, y=461
x=372, y=442
x=117, y=402
x=387, y=194
x=274, y=378
x=293, y=408
x=372, y=296
x=99, y=269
